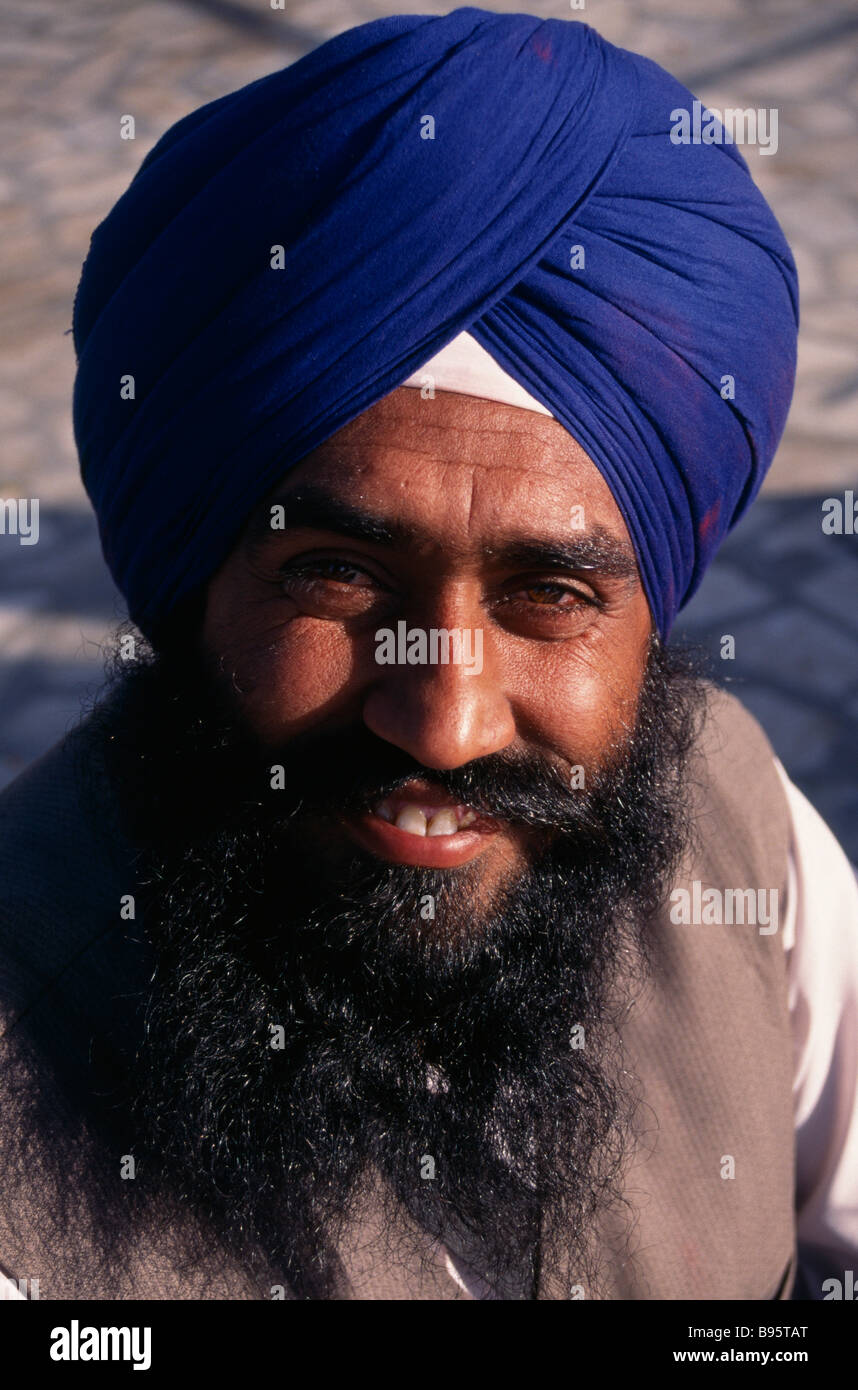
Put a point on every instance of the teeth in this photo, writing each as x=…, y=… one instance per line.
x=443, y=823
x=417, y=822
x=412, y=820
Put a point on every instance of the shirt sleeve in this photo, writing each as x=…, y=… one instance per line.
x=820, y=937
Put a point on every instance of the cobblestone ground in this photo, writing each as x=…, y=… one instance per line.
x=784, y=590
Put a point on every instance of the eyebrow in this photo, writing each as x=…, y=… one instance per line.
x=596, y=550
x=313, y=508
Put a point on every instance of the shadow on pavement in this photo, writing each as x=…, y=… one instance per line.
x=788, y=594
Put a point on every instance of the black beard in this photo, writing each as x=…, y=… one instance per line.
x=299, y=1009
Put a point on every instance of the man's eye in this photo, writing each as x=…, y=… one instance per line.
x=336, y=571
x=548, y=595
x=331, y=588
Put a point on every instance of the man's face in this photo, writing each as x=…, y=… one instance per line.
x=450, y=513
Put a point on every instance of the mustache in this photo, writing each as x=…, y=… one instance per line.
x=350, y=770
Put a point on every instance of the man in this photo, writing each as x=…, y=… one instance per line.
x=408, y=921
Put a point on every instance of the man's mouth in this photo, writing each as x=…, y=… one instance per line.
x=421, y=825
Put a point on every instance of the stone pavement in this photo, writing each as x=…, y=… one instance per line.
x=788, y=594
x=784, y=589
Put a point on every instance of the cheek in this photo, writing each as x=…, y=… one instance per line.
x=285, y=675
x=580, y=701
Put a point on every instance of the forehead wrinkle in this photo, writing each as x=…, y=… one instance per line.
x=553, y=471
x=463, y=505
x=504, y=423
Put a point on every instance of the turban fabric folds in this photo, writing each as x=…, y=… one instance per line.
x=501, y=174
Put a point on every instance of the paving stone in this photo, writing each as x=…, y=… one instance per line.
x=40, y=722
x=799, y=734
x=734, y=596
x=836, y=595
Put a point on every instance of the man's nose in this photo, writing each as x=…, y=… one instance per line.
x=444, y=714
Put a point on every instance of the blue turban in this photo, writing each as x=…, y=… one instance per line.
x=399, y=232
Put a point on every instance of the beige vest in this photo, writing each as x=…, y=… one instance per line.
x=710, y=1179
